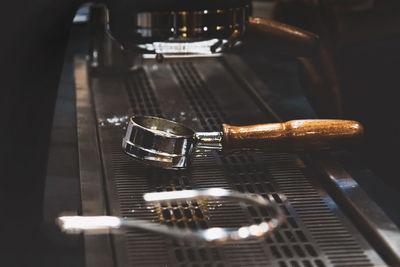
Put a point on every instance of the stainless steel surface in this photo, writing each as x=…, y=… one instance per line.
x=166, y=144
x=209, y=140
x=383, y=233
x=185, y=32
x=97, y=248
x=159, y=142
x=193, y=92
x=101, y=224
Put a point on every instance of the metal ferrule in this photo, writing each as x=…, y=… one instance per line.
x=209, y=140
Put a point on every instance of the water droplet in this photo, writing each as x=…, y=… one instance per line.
x=115, y=121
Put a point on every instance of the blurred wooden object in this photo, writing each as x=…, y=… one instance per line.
x=313, y=43
x=319, y=74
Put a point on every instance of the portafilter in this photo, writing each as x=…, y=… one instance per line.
x=170, y=145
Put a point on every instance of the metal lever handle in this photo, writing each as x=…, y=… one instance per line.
x=297, y=135
x=98, y=224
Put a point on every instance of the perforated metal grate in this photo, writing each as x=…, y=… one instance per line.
x=141, y=95
x=312, y=236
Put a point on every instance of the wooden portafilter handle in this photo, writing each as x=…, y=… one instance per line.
x=292, y=136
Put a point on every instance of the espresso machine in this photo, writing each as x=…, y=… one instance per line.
x=187, y=63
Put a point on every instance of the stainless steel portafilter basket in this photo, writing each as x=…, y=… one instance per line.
x=159, y=142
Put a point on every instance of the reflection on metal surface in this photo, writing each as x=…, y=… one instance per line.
x=99, y=224
x=82, y=15
x=383, y=234
x=314, y=234
x=178, y=212
x=209, y=140
x=179, y=48
x=159, y=142
x=115, y=121
x=91, y=176
x=200, y=32
x=96, y=224
x=188, y=56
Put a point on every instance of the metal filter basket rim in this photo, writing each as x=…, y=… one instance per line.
x=135, y=120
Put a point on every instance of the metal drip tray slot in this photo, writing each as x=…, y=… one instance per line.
x=203, y=93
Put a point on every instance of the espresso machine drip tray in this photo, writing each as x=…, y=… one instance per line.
x=203, y=93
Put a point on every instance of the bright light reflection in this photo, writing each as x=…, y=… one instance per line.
x=214, y=234
x=89, y=222
x=201, y=47
x=218, y=192
x=117, y=120
x=254, y=230
x=264, y=227
x=243, y=232
x=297, y=124
x=173, y=195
